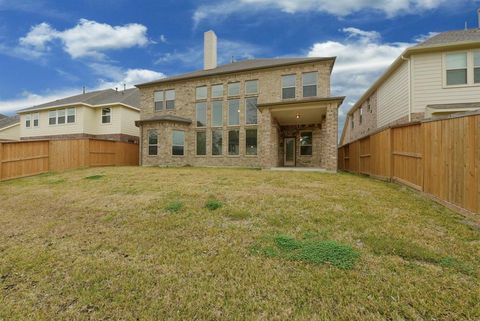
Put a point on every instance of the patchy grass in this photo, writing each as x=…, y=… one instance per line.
x=174, y=207
x=94, y=177
x=312, y=251
x=283, y=246
x=213, y=204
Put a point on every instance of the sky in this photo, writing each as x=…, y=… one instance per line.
x=51, y=49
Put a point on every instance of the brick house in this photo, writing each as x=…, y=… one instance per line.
x=104, y=114
x=254, y=113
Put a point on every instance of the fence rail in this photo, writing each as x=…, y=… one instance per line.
x=440, y=158
x=27, y=158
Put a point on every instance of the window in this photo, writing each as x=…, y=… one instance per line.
x=217, y=142
x=456, y=65
x=310, y=84
x=106, y=115
x=178, y=143
x=234, y=89
x=52, y=117
x=61, y=116
x=170, y=99
x=158, y=98
x=352, y=122
x=476, y=67
x=36, y=119
x=70, y=115
x=306, y=143
x=217, y=91
x=251, y=141
x=251, y=87
x=234, y=112
x=234, y=142
x=288, y=87
x=360, y=118
x=201, y=93
x=152, y=142
x=217, y=113
x=201, y=112
x=251, y=111
x=28, y=121
x=201, y=143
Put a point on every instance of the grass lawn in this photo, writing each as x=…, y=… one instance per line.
x=231, y=244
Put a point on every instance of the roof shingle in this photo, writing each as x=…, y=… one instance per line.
x=451, y=37
x=8, y=121
x=129, y=97
x=238, y=66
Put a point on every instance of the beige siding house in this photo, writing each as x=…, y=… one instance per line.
x=9, y=128
x=105, y=114
x=436, y=78
x=254, y=113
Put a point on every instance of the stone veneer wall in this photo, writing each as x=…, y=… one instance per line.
x=268, y=138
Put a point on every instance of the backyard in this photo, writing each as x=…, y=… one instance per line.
x=126, y=243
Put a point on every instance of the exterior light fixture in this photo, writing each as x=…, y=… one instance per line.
x=298, y=116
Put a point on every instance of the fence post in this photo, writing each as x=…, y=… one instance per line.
x=1, y=160
x=391, y=151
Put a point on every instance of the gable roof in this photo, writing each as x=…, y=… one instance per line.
x=8, y=121
x=451, y=37
x=129, y=97
x=244, y=65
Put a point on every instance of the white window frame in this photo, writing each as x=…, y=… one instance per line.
x=315, y=84
x=166, y=100
x=198, y=90
x=54, y=112
x=239, y=88
x=206, y=114
x=294, y=86
x=251, y=81
x=239, y=110
x=470, y=69
x=28, y=118
x=223, y=90
x=310, y=145
x=213, y=109
x=173, y=145
x=109, y=116
x=151, y=145
x=35, y=117
x=67, y=115
x=196, y=143
x=162, y=93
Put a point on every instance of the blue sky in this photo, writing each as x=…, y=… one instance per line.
x=51, y=49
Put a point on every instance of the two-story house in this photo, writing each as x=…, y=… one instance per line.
x=436, y=78
x=256, y=113
x=103, y=114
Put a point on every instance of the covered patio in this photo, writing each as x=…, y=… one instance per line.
x=304, y=132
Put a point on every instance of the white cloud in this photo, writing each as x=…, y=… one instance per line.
x=87, y=38
x=340, y=8
x=227, y=49
x=112, y=77
x=361, y=58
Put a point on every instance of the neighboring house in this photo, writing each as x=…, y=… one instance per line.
x=9, y=128
x=438, y=77
x=256, y=113
x=104, y=114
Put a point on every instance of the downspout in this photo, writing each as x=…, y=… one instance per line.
x=409, y=87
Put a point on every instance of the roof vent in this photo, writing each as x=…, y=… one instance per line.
x=209, y=50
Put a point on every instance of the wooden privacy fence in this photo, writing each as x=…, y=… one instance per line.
x=441, y=158
x=26, y=158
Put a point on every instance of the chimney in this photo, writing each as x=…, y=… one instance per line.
x=209, y=50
